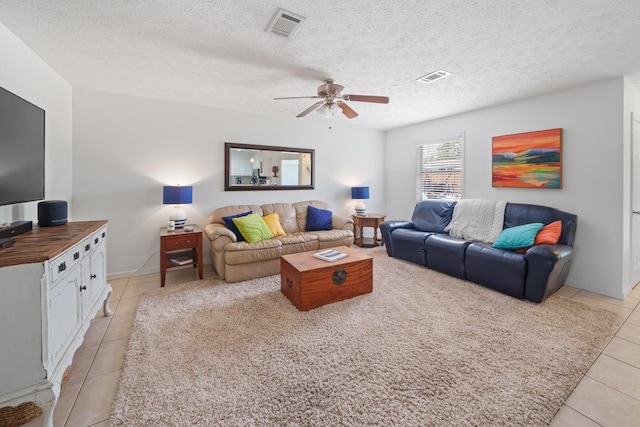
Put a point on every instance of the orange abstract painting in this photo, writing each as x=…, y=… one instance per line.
x=531, y=159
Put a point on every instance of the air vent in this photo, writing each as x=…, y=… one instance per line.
x=285, y=23
x=432, y=77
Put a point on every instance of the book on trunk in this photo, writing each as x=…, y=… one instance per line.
x=330, y=255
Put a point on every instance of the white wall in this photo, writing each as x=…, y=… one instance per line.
x=593, y=162
x=126, y=148
x=26, y=75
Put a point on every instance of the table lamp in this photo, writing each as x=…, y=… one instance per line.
x=177, y=195
x=359, y=194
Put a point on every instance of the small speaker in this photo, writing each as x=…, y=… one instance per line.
x=52, y=212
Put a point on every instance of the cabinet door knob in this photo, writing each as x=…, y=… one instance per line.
x=95, y=240
x=76, y=256
x=87, y=247
x=93, y=276
x=83, y=288
x=62, y=267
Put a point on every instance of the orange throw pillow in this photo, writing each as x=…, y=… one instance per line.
x=549, y=234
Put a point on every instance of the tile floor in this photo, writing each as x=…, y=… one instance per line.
x=609, y=394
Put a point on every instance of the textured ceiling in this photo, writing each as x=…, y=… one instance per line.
x=218, y=53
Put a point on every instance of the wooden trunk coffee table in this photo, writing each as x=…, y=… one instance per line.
x=310, y=282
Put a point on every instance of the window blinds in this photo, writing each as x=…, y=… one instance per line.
x=439, y=169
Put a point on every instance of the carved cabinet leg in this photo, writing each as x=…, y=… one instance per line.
x=105, y=307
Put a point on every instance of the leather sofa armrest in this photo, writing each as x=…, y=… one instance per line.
x=341, y=222
x=215, y=231
x=547, y=269
x=387, y=227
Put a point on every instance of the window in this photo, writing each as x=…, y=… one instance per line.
x=439, y=169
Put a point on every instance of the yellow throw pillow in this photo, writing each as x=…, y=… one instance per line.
x=253, y=228
x=273, y=222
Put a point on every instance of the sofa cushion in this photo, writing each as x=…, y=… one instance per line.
x=446, y=254
x=273, y=222
x=333, y=238
x=517, y=237
x=298, y=242
x=433, y=215
x=318, y=219
x=504, y=271
x=332, y=235
x=253, y=228
x=409, y=245
x=228, y=221
x=244, y=252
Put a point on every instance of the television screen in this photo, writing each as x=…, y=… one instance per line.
x=21, y=150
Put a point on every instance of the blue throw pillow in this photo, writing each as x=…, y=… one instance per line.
x=228, y=221
x=318, y=219
x=521, y=236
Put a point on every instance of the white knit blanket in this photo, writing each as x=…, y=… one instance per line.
x=477, y=219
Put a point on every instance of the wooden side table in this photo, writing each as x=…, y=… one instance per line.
x=369, y=220
x=177, y=244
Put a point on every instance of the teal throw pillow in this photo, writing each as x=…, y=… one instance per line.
x=253, y=228
x=520, y=236
x=318, y=219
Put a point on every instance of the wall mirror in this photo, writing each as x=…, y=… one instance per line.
x=266, y=167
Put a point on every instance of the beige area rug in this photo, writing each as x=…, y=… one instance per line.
x=422, y=349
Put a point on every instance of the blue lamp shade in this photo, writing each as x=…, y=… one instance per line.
x=177, y=196
x=360, y=193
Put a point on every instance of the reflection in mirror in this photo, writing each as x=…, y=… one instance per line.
x=265, y=167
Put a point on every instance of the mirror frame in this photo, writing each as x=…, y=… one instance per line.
x=227, y=167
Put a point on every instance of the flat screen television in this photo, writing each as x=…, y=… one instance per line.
x=21, y=150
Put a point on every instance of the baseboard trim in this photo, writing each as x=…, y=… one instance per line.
x=612, y=293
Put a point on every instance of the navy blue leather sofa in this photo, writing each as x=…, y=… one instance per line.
x=533, y=275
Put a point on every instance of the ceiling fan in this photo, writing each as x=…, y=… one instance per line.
x=333, y=100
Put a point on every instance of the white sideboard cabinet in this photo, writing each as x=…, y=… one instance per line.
x=52, y=283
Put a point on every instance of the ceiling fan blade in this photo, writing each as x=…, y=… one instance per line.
x=299, y=97
x=347, y=111
x=310, y=109
x=367, y=98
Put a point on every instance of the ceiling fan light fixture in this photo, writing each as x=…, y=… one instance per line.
x=335, y=110
x=323, y=110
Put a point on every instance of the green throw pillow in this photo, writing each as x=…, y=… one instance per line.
x=253, y=228
x=517, y=237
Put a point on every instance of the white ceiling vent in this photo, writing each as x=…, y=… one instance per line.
x=285, y=23
x=432, y=77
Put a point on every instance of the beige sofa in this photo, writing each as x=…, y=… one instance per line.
x=235, y=261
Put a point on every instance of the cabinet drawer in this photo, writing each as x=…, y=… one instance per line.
x=181, y=242
x=92, y=242
x=65, y=262
x=99, y=237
